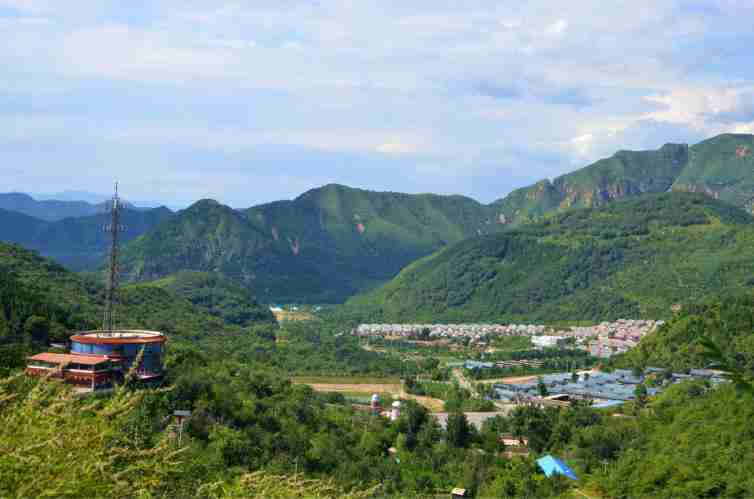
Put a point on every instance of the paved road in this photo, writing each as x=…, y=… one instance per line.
x=475, y=418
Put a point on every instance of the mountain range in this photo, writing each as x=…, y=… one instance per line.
x=78, y=243
x=52, y=210
x=333, y=242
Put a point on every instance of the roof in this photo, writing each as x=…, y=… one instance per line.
x=118, y=337
x=64, y=358
x=553, y=466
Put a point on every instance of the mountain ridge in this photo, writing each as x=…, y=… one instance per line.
x=334, y=241
x=54, y=210
x=721, y=167
x=79, y=243
x=322, y=246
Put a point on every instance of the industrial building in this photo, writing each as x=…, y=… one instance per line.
x=603, y=388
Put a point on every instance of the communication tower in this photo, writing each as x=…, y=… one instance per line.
x=114, y=228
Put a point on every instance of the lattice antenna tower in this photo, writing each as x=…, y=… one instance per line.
x=114, y=228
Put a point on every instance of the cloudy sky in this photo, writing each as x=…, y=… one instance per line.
x=252, y=101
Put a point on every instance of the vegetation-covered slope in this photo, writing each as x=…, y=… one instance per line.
x=722, y=167
x=634, y=258
x=77, y=243
x=217, y=295
x=678, y=344
x=39, y=299
x=321, y=247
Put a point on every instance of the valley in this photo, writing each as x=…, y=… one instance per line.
x=377, y=250
x=386, y=344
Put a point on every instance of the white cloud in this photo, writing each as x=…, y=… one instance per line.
x=557, y=28
x=479, y=87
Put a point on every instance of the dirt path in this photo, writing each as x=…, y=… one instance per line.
x=462, y=381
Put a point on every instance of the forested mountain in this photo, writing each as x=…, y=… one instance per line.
x=51, y=210
x=324, y=246
x=333, y=242
x=633, y=258
x=722, y=167
x=78, y=243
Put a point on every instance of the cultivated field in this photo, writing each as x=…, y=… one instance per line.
x=367, y=386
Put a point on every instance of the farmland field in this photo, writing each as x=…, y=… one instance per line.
x=366, y=386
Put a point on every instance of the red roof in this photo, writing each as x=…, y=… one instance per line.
x=64, y=358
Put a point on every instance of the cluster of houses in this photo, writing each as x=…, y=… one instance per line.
x=474, y=332
x=601, y=340
x=609, y=338
x=603, y=388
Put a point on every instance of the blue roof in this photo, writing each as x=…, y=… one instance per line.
x=553, y=466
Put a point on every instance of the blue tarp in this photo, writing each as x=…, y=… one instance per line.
x=553, y=466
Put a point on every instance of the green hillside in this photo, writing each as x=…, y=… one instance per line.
x=722, y=167
x=634, y=258
x=41, y=300
x=77, y=243
x=324, y=246
x=217, y=295
x=678, y=344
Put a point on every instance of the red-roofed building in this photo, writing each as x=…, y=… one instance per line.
x=91, y=372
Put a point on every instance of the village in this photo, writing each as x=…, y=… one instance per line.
x=601, y=340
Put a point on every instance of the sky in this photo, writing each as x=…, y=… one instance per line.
x=253, y=101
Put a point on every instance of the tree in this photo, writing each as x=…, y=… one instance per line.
x=4, y=326
x=458, y=433
x=640, y=392
x=37, y=328
x=542, y=387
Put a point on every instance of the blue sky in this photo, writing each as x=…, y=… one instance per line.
x=252, y=101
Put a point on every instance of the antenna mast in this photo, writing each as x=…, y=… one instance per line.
x=111, y=287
